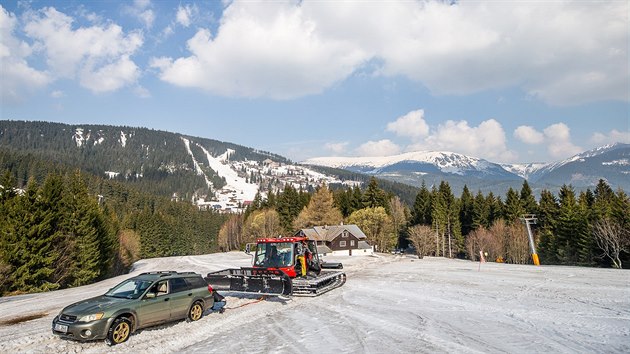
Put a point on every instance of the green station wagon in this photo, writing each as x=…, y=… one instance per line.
x=142, y=301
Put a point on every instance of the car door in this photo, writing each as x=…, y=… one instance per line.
x=155, y=308
x=181, y=298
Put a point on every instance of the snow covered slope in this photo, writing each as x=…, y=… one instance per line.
x=390, y=304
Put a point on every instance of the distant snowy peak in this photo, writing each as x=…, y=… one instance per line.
x=582, y=157
x=591, y=153
x=524, y=170
x=446, y=162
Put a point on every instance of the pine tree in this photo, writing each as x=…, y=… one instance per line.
x=421, y=212
x=374, y=196
x=85, y=226
x=28, y=243
x=527, y=200
x=288, y=206
x=513, y=208
x=481, y=212
x=547, y=221
x=495, y=208
x=570, y=228
x=586, y=244
x=446, y=218
x=466, y=211
x=342, y=201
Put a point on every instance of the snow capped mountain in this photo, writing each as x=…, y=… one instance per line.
x=423, y=161
x=586, y=169
x=610, y=162
x=582, y=157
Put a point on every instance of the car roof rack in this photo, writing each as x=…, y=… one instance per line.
x=165, y=273
x=161, y=272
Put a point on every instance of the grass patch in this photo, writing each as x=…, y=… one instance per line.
x=24, y=318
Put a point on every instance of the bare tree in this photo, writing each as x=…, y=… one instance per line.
x=261, y=224
x=517, y=244
x=398, y=213
x=499, y=231
x=421, y=237
x=490, y=242
x=231, y=233
x=612, y=239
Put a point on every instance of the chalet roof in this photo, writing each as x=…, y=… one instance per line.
x=329, y=233
x=363, y=245
x=323, y=249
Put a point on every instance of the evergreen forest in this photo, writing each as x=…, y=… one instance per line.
x=72, y=229
x=588, y=229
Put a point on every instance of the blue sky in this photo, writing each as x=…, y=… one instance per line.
x=522, y=81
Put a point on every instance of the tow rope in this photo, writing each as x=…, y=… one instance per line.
x=247, y=303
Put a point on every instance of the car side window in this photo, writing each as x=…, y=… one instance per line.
x=178, y=284
x=196, y=282
x=162, y=288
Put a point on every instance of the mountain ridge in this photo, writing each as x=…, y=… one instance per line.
x=216, y=174
x=451, y=166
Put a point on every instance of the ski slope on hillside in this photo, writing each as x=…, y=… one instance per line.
x=390, y=304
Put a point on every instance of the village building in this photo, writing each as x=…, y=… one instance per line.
x=338, y=240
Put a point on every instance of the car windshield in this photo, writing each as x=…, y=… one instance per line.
x=274, y=254
x=129, y=289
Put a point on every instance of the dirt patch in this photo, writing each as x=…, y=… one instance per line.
x=24, y=318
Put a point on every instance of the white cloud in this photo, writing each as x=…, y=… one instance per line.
x=270, y=49
x=141, y=92
x=383, y=147
x=110, y=77
x=98, y=55
x=528, y=135
x=18, y=77
x=558, y=137
x=185, y=13
x=411, y=125
x=142, y=10
x=562, y=52
x=487, y=140
x=57, y=94
x=614, y=136
x=336, y=148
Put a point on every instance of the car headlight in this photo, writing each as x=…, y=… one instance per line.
x=92, y=317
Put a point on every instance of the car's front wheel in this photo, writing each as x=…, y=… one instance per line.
x=196, y=312
x=119, y=331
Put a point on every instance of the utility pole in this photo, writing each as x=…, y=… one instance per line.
x=528, y=219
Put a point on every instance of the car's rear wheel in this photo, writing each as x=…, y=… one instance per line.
x=196, y=312
x=119, y=331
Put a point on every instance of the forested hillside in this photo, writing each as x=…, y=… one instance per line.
x=156, y=162
x=68, y=228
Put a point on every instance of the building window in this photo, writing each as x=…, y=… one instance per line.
x=344, y=233
x=351, y=242
x=342, y=243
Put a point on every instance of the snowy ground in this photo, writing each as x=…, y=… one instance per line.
x=389, y=304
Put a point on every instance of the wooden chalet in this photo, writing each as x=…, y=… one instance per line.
x=338, y=240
